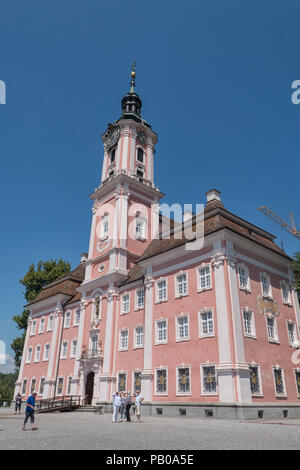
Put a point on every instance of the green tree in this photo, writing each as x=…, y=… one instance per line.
x=34, y=280
x=7, y=386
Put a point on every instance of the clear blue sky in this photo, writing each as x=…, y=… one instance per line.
x=215, y=78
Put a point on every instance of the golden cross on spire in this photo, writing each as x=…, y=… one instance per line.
x=132, y=82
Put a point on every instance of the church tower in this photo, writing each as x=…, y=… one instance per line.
x=125, y=210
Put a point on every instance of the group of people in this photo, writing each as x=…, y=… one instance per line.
x=122, y=403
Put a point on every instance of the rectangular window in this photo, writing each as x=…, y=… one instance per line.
x=182, y=288
x=183, y=380
x=161, y=331
x=265, y=285
x=64, y=351
x=125, y=303
x=139, y=336
x=204, y=278
x=74, y=347
x=69, y=385
x=254, y=380
x=50, y=323
x=24, y=386
x=33, y=327
x=37, y=353
x=182, y=327
x=122, y=382
x=42, y=383
x=29, y=355
x=32, y=388
x=60, y=385
x=161, y=290
x=94, y=344
x=209, y=380
x=272, y=330
x=46, y=352
x=161, y=381
x=137, y=381
x=140, y=298
x=279, y=382
x=291, y=333
x=77, y=317
x=206, y=323
x=248, y=321
x=68, y=320
x=297, y=377
x=285, y=292
x=243, y=274
x=124, y=339
x=42, y=325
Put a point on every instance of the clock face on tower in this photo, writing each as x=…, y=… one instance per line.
x=111, y=137
x=141, y=137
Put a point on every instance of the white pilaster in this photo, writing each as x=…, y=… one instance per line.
x=104, y=167
x=54, y=350
x=147, y=373
x=20, y=376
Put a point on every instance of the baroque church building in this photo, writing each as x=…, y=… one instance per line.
x=210, y=329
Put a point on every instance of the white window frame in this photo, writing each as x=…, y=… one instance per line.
x=276, y=339
x=67, y=322
x=126, y=294
x=94, y=317
x=122, y=372
x=137, y=307
x=37, y=348
x=184, y=366
x=75, y=322
x=72, y=348
x=62, y=389
x=42, y=378
x=92, y=341
x=288, y=301
x=33, y=328
x=165, y=299
x=122, y=348
x=248, y=311
x=138, y=346
x=69, y=385
x=269, y=294
x=200, y=330
x=34, y=389
x=203, y=392
x=203, y=266
x=156, y=392
x=260, y=393
x=22, y=387
x=247, y=287
x=178, y=339
x=50, y=322
x=294, y=344
x=297, y=370
x=157, y=341
x=142, y=219
x=283, y=381
x=177, y=294
x=137, y=371
x=62, y=356
x=45, y=349
x=42, y=325
x=29, y=359
x=104, y=231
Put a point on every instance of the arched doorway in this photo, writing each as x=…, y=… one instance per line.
x=89, y=388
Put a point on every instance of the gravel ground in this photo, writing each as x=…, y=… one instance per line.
x=89, y=431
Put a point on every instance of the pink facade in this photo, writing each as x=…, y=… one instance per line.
x=217, y=324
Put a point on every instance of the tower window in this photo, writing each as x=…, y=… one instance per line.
x=111, y=173
x=140, y=174
x=140, y=155
x=113, y=156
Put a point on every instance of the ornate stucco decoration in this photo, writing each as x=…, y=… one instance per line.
x=267, y=306
x=111, y=136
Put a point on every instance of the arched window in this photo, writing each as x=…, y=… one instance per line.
x=105, y=226
x=140, y=155
x=112, y=155
x=96, y=307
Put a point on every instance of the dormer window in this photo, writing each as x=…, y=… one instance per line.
x=112, y=156
x=140, y=155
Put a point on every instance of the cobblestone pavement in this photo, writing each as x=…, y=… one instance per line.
x=90, y=431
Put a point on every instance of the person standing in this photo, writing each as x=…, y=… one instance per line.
x=116, y=406
x=18, y=403
x=138, y=401
x=29, y=412
x=128, y=404
x=123, y=407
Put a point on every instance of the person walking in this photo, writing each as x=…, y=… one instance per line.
x=116, y=406
x=29, y=412
x=18, y=403
x=128, y=404
x=138, y=401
